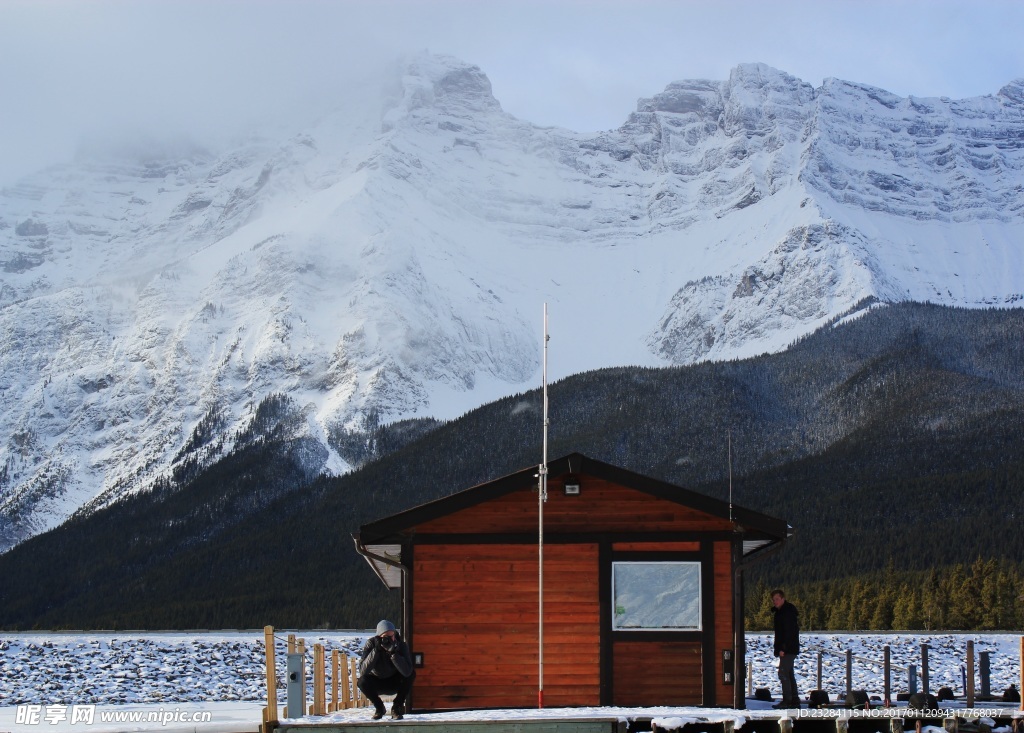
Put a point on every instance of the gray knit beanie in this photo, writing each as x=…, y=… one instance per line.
x=385, y=626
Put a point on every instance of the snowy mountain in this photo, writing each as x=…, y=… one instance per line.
x=390, y=260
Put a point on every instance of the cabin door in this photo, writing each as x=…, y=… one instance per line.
x=659, y=609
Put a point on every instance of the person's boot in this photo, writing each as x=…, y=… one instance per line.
x=397, y=711
x=378, y=713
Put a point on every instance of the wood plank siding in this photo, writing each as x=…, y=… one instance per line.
x=600, y=507
x=475, y=610
x=656, y=546
x=657, y=673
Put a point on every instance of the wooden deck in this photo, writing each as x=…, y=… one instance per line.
x=688, y=721
x=553, y=725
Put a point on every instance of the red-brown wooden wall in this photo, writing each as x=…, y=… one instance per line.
x=657, y=673
x=600, y=507
x=473, y=611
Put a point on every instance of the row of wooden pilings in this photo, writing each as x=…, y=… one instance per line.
x=344, y=692
x=970, y=692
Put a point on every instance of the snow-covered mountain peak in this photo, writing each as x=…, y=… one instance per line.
x=754, y=99
x=441, y=83
x=698, y=97
x=767, y=82
x=1013, y=92
x=451, y=77
x=390, y=260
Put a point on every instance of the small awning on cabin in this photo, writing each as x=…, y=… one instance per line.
x=386, y=561
x=380, y=542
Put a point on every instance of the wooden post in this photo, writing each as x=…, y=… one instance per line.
x=819, y=671
x=301, y=649
x=1021, y=687
x=363, y=700
x=750, y=678
x=291, y=643
x=970, y=673
x=924, y=669
x=886, y=671
x=849, y=672
x=357, y=696
x=270, y=717
x=319, y=680
x=334, y=680
x=985, y=673
x=346, y=682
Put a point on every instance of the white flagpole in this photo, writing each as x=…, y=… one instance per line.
x=542, y=496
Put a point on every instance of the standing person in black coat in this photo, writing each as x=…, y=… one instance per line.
x=787, y=646
x=386, y=668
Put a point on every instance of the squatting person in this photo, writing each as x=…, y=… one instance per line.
x=787, y=646
x=386, y=668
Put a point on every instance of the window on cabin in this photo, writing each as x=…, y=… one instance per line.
x=656, y=596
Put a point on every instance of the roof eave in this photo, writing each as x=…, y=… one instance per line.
x=402, y=525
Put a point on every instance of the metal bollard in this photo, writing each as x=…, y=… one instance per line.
x=912, y=679
x=296, y=686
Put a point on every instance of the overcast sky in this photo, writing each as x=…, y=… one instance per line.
x=83, y=68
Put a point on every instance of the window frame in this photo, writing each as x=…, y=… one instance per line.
x=699, y=628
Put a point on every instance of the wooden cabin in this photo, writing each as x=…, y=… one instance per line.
x=643, y=597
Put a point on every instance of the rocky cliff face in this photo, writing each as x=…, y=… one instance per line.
x=391, y=260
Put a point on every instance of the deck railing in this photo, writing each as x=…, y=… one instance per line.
x=967, y=670
x=343, y=692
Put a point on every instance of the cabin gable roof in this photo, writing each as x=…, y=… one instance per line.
x=666, y=508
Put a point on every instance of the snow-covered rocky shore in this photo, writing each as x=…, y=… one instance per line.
x=947, y=654
x=104, y=668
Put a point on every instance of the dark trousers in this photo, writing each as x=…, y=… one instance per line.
x=373, y=687
x=787, y=677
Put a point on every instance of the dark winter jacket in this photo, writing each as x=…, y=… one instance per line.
x=380, y=661
x=787, y=629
